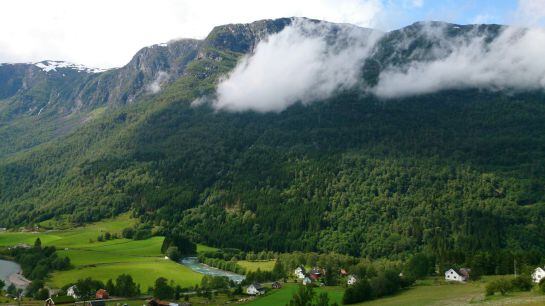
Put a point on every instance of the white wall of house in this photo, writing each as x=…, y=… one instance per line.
x=252, y=290
x=538, y=275
x=299, y=273
x=453, y=276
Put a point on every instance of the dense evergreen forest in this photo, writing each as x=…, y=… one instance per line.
x=452, y=172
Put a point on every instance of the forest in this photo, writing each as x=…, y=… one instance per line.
x=457, y=174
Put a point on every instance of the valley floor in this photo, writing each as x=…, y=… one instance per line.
x=143, y=260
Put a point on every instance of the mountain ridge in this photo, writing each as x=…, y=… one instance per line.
x=447, y=172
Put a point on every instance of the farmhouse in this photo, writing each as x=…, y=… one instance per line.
x=255, y=289
x=73, y=292
x=300, y=272
x=276, y=285
x=538, y=274
x=351, y=280
x=343, y=272
x=457, y=276
x=102, y=294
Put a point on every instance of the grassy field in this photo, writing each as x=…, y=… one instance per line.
x=263, y=265
x=282, y=296
x=427, y=294
x=104, y=260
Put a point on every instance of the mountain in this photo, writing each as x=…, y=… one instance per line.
x=453, y=172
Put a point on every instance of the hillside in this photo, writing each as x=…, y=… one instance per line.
x=453, y=171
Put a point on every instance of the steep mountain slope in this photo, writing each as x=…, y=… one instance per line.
x=450, y=171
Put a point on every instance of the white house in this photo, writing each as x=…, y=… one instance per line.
x=455, y=276
x=73, y=292
x=300, y=272
x=538, y=274
x=351, y=280
x=255, y=289
x=307, y=281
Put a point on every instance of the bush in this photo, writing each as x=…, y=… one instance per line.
x=174, y=254
x=501, y=285
x=361, y=291
x=128, y=232
x=542, y=285
x=522, y=283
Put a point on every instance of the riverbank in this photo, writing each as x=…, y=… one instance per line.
x=19, y=280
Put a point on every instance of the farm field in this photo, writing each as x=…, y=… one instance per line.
x=104, y=260
x=263, y=265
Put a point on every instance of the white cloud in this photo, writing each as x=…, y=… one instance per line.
x=299, y=64
x=530, y=12
x=513, y=61
x=103, y=33
x=418, y=3
x=160, y=79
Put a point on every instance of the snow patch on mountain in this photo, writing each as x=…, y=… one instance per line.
x=48, y=66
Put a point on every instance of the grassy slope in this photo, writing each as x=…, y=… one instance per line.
x=103, y=260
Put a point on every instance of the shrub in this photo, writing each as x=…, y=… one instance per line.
x=501, y=285
x=522, y=283
x=542, y=285
x=173, y=253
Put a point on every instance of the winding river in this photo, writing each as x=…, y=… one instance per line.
x=194, y=264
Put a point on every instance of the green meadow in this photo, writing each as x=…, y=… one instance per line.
x=428, y=293
x=104, y=260
x=263, y=265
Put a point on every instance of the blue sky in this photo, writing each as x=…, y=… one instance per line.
x=403, y=12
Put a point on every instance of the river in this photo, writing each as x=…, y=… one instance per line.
x=194, y=264
x=10, y=272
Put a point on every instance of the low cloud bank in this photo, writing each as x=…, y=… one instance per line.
x=303, y=63
x=310, y=61
x=513, y=61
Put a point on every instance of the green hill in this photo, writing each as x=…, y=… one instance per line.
x=455, y=172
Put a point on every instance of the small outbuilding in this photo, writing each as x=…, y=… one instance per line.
x=255, y=289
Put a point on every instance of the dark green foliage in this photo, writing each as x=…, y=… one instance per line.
x=522, y=283
x=173, y=253
x=39, y=261
x=38, y=243
x=303, y=296
x=11, y=289
x=162, y=290
x=42, y=294
x=542, y=286
x=125, y=286
x=419, y=266
x=259, y=276
x=222, y=264
x=88, y=287
x=359, y=292
x=128, y=233
x=215, y=282
x=501, y=285
x=2, y=284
